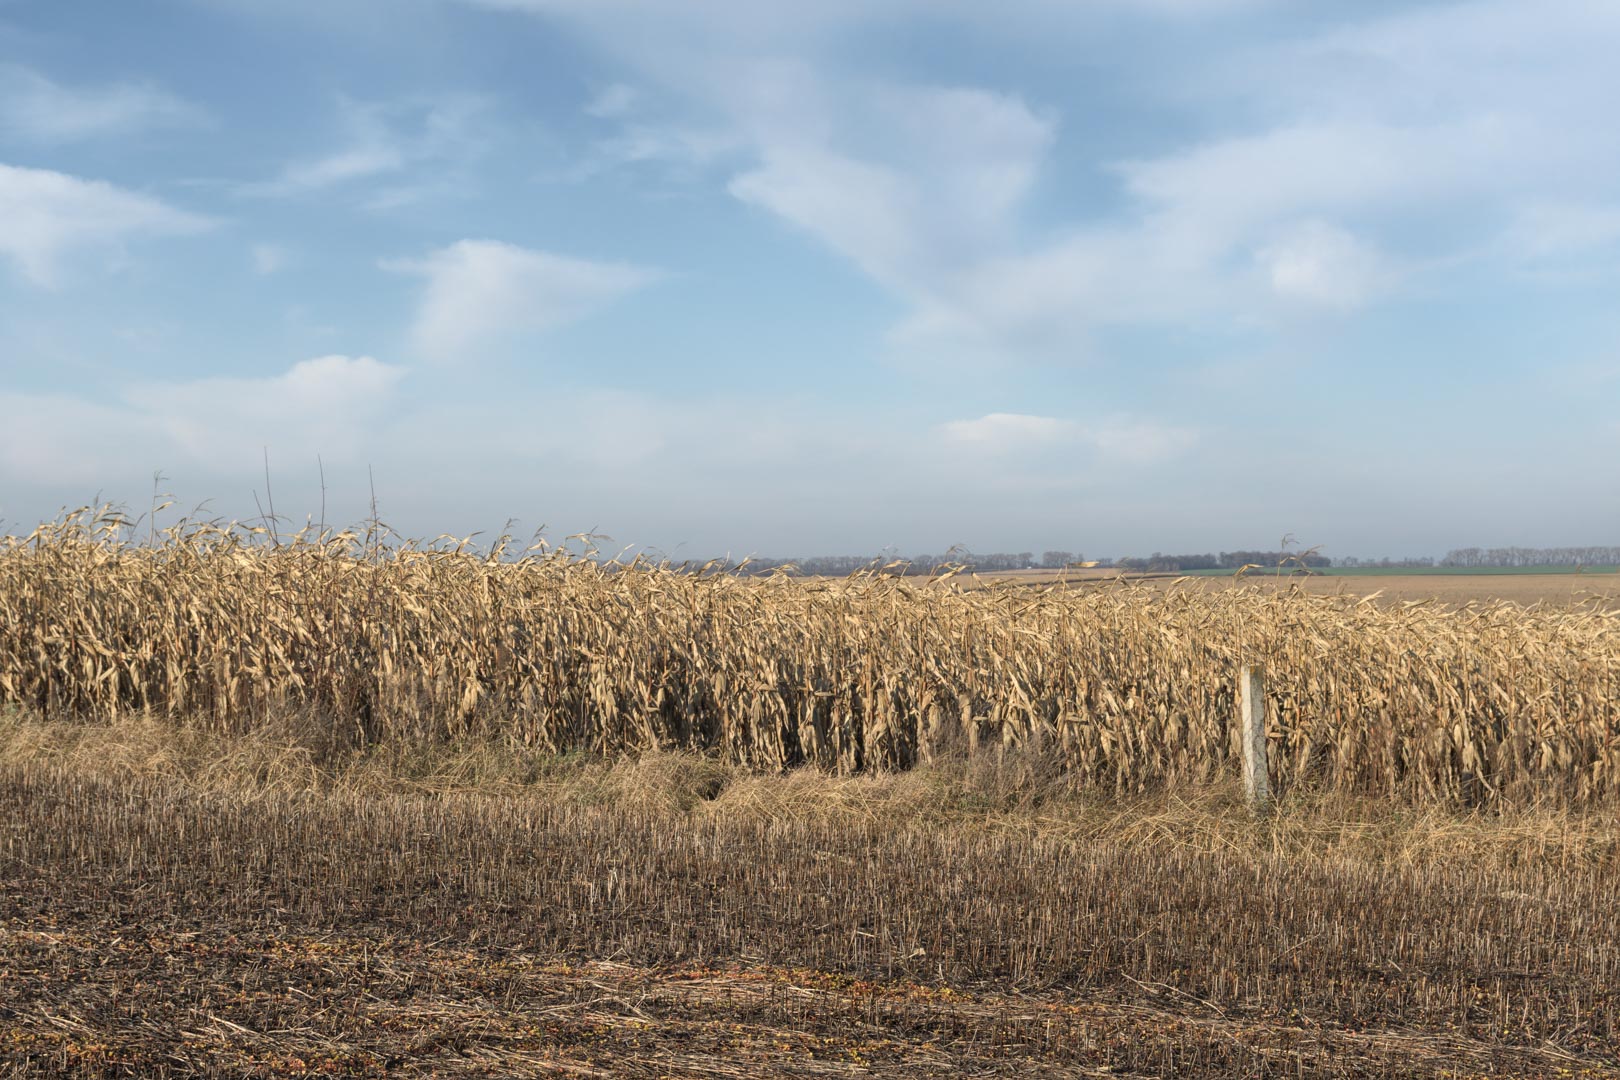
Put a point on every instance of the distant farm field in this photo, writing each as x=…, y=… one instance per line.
x=1519, y=587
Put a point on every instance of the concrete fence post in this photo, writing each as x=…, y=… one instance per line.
x=1252, y=736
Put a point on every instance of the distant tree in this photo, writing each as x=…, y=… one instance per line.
x=1519, y=557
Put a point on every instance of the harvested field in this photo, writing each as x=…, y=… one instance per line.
x=1555, y=590
x=198, y=905
x=1558, y=590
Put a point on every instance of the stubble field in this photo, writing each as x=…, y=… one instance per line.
x=174, y=906
x=1556, y=589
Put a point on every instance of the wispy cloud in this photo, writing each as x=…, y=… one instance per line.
x=35, y=108
x=1009, y=431
x=57, y=439
x=268, y=258
x=954, y=165
x=681, y=153
x=385, y=140
x=1323, y=264
x=1141, y=442
x=1116, y=438
x=368, y=159
x=329, y=401
x=611, y=101
x=50, y=216
x=329, y=404
x=1552, y=230
x=480, y=292
x=1337, y=142
x=640, y=139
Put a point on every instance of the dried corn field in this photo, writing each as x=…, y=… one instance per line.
x=1125, y=689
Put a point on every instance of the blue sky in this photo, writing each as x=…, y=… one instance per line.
x=726, y=276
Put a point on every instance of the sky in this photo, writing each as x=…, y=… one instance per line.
x=734, y=276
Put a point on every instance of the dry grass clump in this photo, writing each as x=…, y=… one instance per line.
x=1124, y=690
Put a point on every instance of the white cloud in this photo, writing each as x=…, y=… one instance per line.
x=55, y=439
x=325, y=402
x=1547, y=230
x=50, y=215
x=1139, y=442
x=683, y=152
x=387, y=139
x=615, y=100
x=1183, y=253
x=856, y=208
x=1213, y=193
x=330, y=404
x=1198, y=8
x=931, y=181
x=1483, y=56
x=1282, y=198
x=351, y=164
x=1118, y=438
x=1322, y=264
x=924, y=188
x=729, y=21
x=362, y=21
x=608, y=430
x=1008, y=431
x=35, y=108
x=481, y=291
x=1325, y=161
x=268, y=258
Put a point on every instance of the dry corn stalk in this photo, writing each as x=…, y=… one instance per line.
x=1127, y=688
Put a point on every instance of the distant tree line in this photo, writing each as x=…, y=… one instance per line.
x=1524, y=556
x=916, y=565
x=1351, y=562
x=844, y=565
x=1158, y=562
x=1225, y=560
